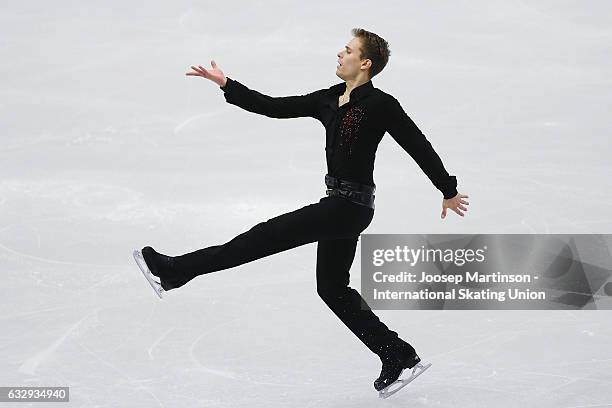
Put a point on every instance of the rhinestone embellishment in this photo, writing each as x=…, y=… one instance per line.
x=349, y=128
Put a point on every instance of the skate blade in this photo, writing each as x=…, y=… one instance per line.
x=402, y=382
x=147, y=273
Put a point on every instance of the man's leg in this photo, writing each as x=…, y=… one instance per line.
x=334, y=260
x=325, y=219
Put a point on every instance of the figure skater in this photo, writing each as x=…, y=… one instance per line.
x=356, y=116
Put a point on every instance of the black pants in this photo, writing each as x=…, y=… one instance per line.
x=335, y=224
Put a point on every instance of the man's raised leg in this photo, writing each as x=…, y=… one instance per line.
x=327, y=218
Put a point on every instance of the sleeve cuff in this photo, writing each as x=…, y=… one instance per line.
x=227, y=83
x=450, y=189
x=448, y=196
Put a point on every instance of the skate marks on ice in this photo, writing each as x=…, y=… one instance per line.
x=481, y=366
x=400, y=383
x=134, y=383
x=514, y=387
x=30, y=226
x=154, y=345
x=30, y=366
x=242, y=376
x=202, y=116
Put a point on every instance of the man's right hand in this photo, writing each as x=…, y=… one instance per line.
x=214, y=74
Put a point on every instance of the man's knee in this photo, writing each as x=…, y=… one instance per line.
x=266, y=231
x=323, y=292
x=331, y=294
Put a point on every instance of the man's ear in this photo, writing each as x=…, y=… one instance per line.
x=368, y=64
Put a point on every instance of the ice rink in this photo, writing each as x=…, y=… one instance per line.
x=108, y=146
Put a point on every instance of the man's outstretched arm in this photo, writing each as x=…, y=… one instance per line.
x=281, y=107
x=256, y=102
x=406, y=133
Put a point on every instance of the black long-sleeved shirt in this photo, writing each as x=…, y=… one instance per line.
x=353, y=130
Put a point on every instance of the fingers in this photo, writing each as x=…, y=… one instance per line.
x=198, y=72
x=202, y=70
x=213, y=63
x=457, y=211
x=443, y=212
x=457, y=201
x=460, y=199
x=457, y=205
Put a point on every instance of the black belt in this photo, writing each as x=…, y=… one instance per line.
x=362, y=194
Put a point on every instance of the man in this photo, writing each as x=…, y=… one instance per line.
x=356, y=116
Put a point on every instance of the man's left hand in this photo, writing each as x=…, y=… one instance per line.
x=455, y=204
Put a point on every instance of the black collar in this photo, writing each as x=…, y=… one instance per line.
x=356, y=94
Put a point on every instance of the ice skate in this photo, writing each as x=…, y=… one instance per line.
x=390, y=380
x=398, y=357
x=147, y=273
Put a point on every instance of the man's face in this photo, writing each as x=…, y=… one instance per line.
x=349, y=62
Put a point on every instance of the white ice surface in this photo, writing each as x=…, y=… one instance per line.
x=107, y=146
